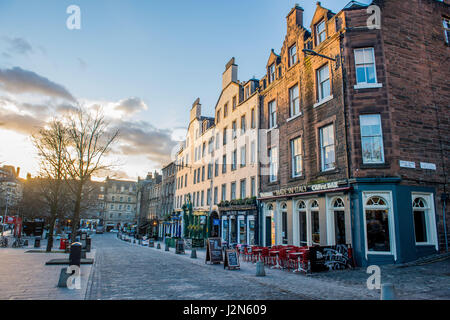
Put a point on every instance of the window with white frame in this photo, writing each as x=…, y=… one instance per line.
x=292, y=55
x=224, y=192
x=243, y=155
x=420, y=208
x=233, y=191
x=339, y=221
x=323, y=83
x=446, y=24
x=294, y=101
x=327, y=148
x=252, y=152
x=243, y=124
x=271, y=72
x=243, y=189
x=272, y=114
x=366, y=72
x=253, y=187
x=321, y=32
x=253, y=119
x=302, y=224
x=315, y=222
x=273, y=164
x=371, y=139
x=378, y=232
x=296, y=157
x=234, y=159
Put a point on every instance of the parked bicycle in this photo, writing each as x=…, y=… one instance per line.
x=18, y=243
x=3, y=242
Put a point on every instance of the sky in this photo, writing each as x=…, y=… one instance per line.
x=144, y=61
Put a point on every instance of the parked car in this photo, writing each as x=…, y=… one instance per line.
x=99, y=229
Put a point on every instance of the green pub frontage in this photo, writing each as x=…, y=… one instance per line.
x=239, y=221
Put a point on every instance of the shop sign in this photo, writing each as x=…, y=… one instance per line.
x=302, y=189
x=427, y=166
x=407, y=164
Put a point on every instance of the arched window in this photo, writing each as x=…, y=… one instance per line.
x=315, y=224
x=377, y=224
x=420, y=211
x=284, y=223
x=339, y=221
x=270, y=207
x=302, y=224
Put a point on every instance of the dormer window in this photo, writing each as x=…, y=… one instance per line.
x=321, y=33
x=292, y=55
x=247, y=92
x=272, y=73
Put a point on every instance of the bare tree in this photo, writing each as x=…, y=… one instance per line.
x=90, y=140
x=51, y=144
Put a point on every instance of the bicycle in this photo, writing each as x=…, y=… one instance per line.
x=18, y=243
x=3, y=242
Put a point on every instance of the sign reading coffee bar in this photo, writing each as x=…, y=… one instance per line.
x=327, y=186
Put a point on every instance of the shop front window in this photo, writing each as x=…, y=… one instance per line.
x=377, y=225
x=233, y=231
x=302, y=224
x=225, y=230
x=315, y=227
x=284, y=226
x=339, y=221
x=420, y=226
x=251, y=231
x=242, y=231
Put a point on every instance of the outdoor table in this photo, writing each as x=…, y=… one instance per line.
x=275, y=252
x=258, y=251
x=298, y=255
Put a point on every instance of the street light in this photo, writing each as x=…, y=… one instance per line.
x=310, y=52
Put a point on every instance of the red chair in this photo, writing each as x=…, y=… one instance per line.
x=265, y=257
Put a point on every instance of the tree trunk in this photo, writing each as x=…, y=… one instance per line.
x=76, y=211
x=50, y=233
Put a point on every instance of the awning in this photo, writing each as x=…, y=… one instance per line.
x=306, y=193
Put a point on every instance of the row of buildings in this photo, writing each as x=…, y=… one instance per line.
x=344, y=140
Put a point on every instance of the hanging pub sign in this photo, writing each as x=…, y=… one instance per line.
x=231, y=260
x=214, y=250
x=179, y=246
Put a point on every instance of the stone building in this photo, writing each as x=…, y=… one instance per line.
x=168, y=189
x=120, y=203
x=11, y=190
x=217, y=167
x=357, y=131
x=147, y=202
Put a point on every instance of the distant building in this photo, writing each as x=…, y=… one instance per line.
x=120, y=202
x=147, y=202
x=11, y=190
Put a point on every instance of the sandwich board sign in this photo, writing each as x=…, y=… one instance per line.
x=214, y=250
x=179, y=246
x=231, y=259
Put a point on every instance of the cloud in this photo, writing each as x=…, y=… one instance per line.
x=18, y=45
x=131, y=105
x=19, y=81
x=20, y=123
x=141, y=138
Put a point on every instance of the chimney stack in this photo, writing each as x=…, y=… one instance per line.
x=295, y=16
x=230, y=74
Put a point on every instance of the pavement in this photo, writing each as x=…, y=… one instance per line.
x=128, y=271
x=24, y=276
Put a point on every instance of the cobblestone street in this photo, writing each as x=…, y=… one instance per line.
x=128, y=271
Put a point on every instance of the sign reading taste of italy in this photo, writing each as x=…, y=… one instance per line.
x=302, y=188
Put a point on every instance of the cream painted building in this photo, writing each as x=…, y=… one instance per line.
x=217, y=163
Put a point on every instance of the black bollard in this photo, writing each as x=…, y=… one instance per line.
x=75, y=254
x=88, y=244
x=37, y=242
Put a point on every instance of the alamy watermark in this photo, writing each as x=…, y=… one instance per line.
x=374, y=280
x=374, y=20
x=73, y=22
x=74, y=281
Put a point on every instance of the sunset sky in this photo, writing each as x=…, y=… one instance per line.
x=143, y=61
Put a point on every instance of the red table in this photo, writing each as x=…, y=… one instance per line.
x=298, y=255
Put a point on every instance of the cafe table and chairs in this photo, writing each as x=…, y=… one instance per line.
x=273, y=254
